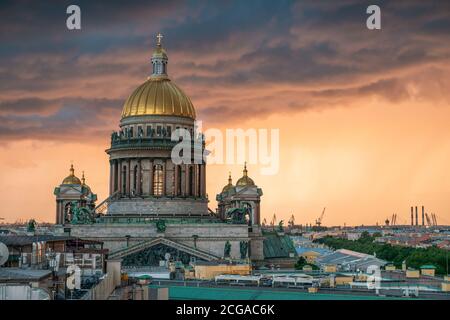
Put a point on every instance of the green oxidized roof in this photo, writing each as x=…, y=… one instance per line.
x=277, y=246
x=427, y=266
x=201, y=293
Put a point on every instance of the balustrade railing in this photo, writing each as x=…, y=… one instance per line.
x=118, y=141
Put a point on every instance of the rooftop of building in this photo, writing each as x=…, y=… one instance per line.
x=20, y=240
x=18, y=274
x=202, y=293
x=346, y=257
x=320, y=251
x=277, y=246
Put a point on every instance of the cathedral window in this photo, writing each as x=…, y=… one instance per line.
x=124, y=179
x=158, y=180
x=131, y=132
x=199, y=182
x=149, y=131
x=179, y=180
x=140, y=131
x=158, y=131
x=191, y=181
x=169, y=131
x=135, y=178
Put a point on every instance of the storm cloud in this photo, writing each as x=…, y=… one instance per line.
x=234, y=58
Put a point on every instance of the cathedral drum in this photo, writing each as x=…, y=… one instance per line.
x=144, y=181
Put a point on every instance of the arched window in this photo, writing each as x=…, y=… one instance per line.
x=116, y=178
x=178, y=180
x=131, y=132
x=191, y=181
x=124, y=179
x=199, y=180
x=158, y=180
x=135, y=178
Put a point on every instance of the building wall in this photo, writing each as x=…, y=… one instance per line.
x=160, y=206
x=427, y=272
x=390, y=268
x=211, y=237
x=342, y=280
x=412, y=274
x=257, y=249
x=330, y=268
x=207, y=272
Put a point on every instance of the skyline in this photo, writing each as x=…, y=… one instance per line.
x=363, y=115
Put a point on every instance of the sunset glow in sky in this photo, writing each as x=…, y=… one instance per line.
x=364, y=115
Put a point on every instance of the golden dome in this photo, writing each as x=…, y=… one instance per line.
x=229, y=185
x=71, y=179
x=158, y=96
x=245, y=180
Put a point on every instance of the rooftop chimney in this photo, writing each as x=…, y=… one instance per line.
x=417, y=217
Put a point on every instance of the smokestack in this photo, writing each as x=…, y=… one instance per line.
x=423, y=216
x=417, y=217
x=412, y=216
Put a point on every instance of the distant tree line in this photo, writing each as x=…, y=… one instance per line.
x=414, y=257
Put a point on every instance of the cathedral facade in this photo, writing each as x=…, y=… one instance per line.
x=157, y=205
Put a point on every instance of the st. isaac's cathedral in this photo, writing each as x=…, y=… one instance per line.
x=155, y=206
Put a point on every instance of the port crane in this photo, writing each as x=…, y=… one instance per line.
x=393, y=220
x=428, y=219
x=274, y=219
x=433, y=216
x=319, y=220
x=431, y=221
x=291, y=221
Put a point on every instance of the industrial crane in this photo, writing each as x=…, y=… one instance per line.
x=274, y=218
x=394, y=219
x=319, y=220
x=291, y=221
x=433, y=216
x=428, y=219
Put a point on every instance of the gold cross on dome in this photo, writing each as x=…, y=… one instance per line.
x=159, y=36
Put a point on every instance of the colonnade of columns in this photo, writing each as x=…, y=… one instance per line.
x=138, y=177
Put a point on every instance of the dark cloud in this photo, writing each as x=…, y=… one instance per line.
x=58, y=83
x=70, y=119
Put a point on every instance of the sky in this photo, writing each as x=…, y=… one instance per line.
x=363, y=114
